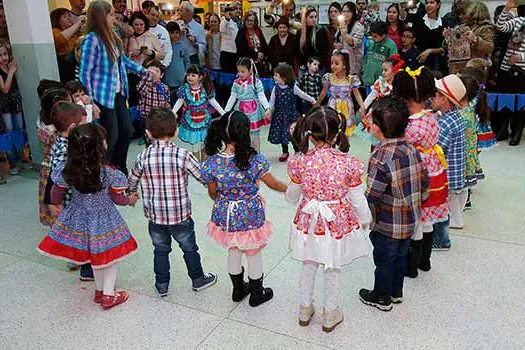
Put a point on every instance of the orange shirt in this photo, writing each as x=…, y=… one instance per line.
x=64, y=46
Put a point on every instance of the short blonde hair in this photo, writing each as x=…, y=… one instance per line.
x=478, y=63
x=478, y=12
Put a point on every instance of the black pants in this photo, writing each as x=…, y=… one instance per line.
x=228, y=62
x=507, y=83
x=133, y=81
x=117, y=123
x=284, y=147
x=194, y=59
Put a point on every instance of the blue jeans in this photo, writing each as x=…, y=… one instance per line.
x=441, y=236
x=184, y=234
x=390, y=258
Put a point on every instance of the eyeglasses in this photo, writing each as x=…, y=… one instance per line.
x=408, y=36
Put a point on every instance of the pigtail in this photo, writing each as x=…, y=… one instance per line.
x=207, y=82
x=301, y=134
x=216, y=137
x=340, y=140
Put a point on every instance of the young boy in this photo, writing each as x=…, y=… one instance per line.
x=311, y=83
x=380, y=49
x=79, y=95
x=450, y=93
x=176, y=72
x=162, y=171
x=409, y=52
x=397, y=184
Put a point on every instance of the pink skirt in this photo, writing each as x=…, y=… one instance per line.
x=249, y=242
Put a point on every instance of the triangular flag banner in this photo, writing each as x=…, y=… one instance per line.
x=506, y=101
x=520, y=102
x=491, y=101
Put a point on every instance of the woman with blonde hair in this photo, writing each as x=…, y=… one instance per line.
x=103, y=72
x=312, y=42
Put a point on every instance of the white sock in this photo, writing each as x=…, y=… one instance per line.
x=98, y=274
x=234, y=261
x=332, y=289
x=418, y=232
x=307, y=282
x=256, y=141
x=110, y=278
x=254, y=266
x=456, y=204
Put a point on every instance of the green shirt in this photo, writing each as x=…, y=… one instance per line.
x=374, y=58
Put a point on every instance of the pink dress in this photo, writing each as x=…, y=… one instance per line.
x=325, y=224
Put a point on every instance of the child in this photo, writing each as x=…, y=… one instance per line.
x=248, y=97
x=282, y=112
x=381, y=48
x=383, y=85
x=10, y=102
x=197, y=94
x=341, y=85
x=397, y=183
x=409, y=52
x=332, y=207
x=176, y=71
x=417, y=87
x=78, y=93
x=162, y=170
x=90, y=229
x=450, y=93
x=311, y=83
x=238, y=222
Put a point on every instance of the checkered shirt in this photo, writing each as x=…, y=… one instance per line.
x=312, y=85
x=59, y=156
x=452, y=140
x=162, y=170
x=152, y=95
x=397, y=180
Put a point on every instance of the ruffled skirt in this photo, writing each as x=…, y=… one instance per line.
x=250, y=242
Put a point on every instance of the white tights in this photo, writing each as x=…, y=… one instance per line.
x=254, y=264
x=256, y=141
x=456, y=204
x=106, y=278
x=332, y=286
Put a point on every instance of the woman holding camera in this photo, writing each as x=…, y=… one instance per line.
x=143, y=45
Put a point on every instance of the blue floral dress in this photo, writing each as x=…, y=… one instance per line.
x=238, y=220
x=196, y=117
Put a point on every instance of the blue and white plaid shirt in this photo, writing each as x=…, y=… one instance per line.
x=452, y=140
x=99, y=76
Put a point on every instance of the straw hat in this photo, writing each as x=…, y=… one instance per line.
x=452, y=88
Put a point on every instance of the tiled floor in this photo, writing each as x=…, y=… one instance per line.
x=471, y=299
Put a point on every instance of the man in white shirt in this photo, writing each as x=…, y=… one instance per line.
x=162, y=34
x=229, y=30
x=194, y=38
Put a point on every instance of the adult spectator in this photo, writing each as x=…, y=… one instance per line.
x=103, y=72
x=501, y=41
x=193, y=34
x=332, y=29
x=237, y=14
x=122, y=25
x=213, y=43
x=512, y=70
x=229, y=30
x=77, y=9
x=153, y=16
x=352, y=35
x=361, y=6
x=251, y=43
x=416, y=8
x=395, y=25
x=287, y=10
x=4, y=35
x=66, y=34
x=206, y=20
x=143, y=45
x=145, y=6
x=282, y=45
x=311, y=42
x=453, y=18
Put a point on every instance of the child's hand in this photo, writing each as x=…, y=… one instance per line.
x=133, y=198
x=96, y=112
x=13, y=67
x=268, y=115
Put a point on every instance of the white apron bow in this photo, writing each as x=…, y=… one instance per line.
x=319, y=208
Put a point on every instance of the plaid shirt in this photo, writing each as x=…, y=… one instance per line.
x=162, y=170
x=99, y=76
x=397, y=180
x=312, y=85
x=152, y=95
x=452, y=140
x=59, y=156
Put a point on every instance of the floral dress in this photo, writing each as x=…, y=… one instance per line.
x=471, y=140
x=47, y=136
x=423, y=132
x=90, y=229
x=325, y=224
x=238, y=220
x=340, y=91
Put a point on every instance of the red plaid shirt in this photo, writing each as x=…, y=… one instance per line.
x=162, y=170
x=152, y=95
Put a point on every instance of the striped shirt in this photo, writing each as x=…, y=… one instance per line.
x=101, y=78
x=397, y=180
x=452, y=135
x=507, y=23
x=162, y=170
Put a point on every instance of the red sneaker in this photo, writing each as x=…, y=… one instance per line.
x=108, y=301
x=284, y=157
x=98, y=296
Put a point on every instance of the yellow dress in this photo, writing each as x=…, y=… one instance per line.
x=340, y=92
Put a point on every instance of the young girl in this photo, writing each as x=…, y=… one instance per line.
x=248, y=97
x=90, y=229
x=238, y=223
x=332, y=207
x=341, y=85
x=416, y=88
x=282, y=112
x=197, y=95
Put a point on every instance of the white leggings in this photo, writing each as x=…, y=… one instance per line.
x=256, y=140
x=106, y=278
x=456, y=204
x=254, y=264
x=332, y=286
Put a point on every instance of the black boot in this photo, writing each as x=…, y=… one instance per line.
x=516, y=128
x=240, y=288
x=414, y=256
x=259, y=294
x=426, y=251
x=503, y=132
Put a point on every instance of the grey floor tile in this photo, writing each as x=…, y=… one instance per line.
x=7, y=259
